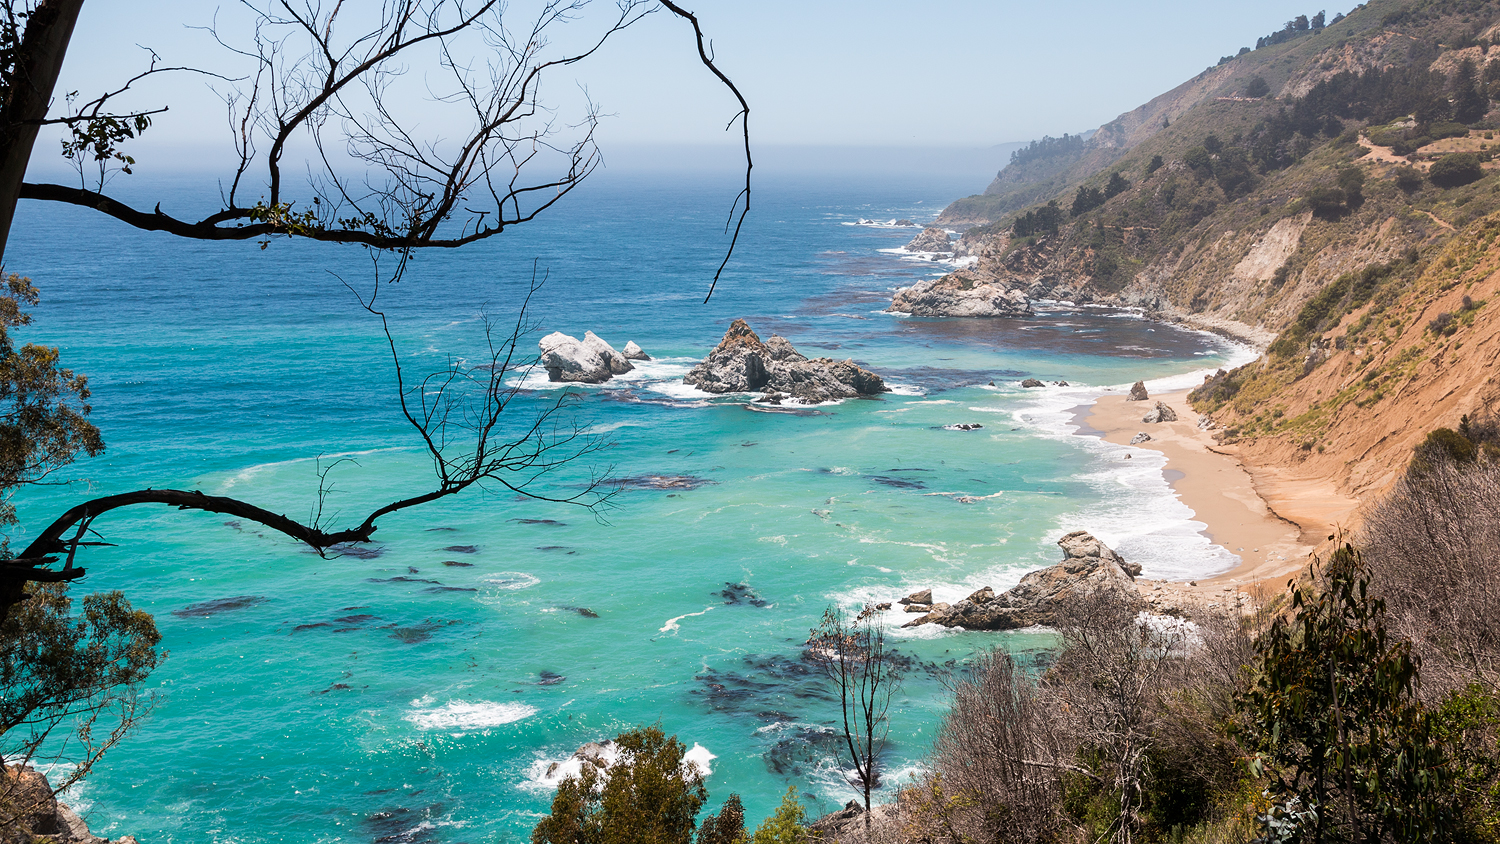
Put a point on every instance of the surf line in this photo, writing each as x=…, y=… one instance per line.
x=672, y=626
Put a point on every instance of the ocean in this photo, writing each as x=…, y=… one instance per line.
x=421, y=690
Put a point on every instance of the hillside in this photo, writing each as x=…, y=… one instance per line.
x=1330, y=221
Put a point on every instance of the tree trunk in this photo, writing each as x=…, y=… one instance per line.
x=27, y=96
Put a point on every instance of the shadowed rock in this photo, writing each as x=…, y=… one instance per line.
x=1160, y=413
x=1089, y=567
x=743, y=363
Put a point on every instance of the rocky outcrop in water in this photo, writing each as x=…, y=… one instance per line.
x=961, y=294
x=1089, y=567
x=586, y=361
x=743, y=363
x=634, y=352
x=932, y=239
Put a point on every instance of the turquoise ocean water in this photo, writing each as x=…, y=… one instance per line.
x=391, y=696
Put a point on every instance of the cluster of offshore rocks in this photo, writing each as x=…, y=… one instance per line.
x=741, y=363
x=1089, y=568
x=587, y=361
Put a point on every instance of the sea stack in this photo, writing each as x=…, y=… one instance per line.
x=743, y=363
x=586, y=361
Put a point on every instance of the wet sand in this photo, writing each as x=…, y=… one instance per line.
x=1271, y=521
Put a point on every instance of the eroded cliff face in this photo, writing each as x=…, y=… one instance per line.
x=1351, y=401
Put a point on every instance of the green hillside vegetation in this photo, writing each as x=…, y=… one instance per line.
x=1381, y=31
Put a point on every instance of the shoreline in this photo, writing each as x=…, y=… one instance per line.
x=1272, y=523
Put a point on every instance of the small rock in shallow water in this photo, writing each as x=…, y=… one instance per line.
x=1032, y=382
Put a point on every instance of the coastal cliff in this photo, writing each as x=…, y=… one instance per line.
x=1328, y=198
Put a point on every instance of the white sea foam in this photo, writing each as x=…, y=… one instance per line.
x=545, y=774
x=509, y=581
x=672, y=626
x=250, y=472
x=463, y=716
x=1140, y=515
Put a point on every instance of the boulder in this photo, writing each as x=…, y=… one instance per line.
x=932, y=239
x=906, y=223
x=961, y=294
x=1142, y=437
x=743, y=363
x=1089, y=567
x=586, y=361
x=1032, y=382
x=1160, y=413
x=922, y=597
x=634, y=352
x=1137, y=392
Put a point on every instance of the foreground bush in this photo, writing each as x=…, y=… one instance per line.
x=646, y=797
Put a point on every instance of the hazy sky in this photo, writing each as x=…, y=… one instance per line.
x=817, y=72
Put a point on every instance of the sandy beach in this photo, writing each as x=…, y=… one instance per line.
x=1271, y=520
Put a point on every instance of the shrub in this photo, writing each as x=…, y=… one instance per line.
x=1451, y=171
x=1408, y=179
x=1154, y=164
x=648, y=796
x=787, y=825
x=1443, y=324
x=1257, y=87
x=1448, y=130
x=1334, y=716
x=1327, y=203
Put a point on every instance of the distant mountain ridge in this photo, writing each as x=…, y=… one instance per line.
x=1330, y=222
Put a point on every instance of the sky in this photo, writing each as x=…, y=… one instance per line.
x=965, y=75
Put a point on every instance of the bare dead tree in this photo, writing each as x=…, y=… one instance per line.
x=1430, y=547
x=997, y=759
x=336, y=77
x=330, y=76
x=852, y=652
x=1114, y=668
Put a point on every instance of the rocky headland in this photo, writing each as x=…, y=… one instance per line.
x=1089, y=568
x=743, y=363
x=964, y=293
x=932, y=239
